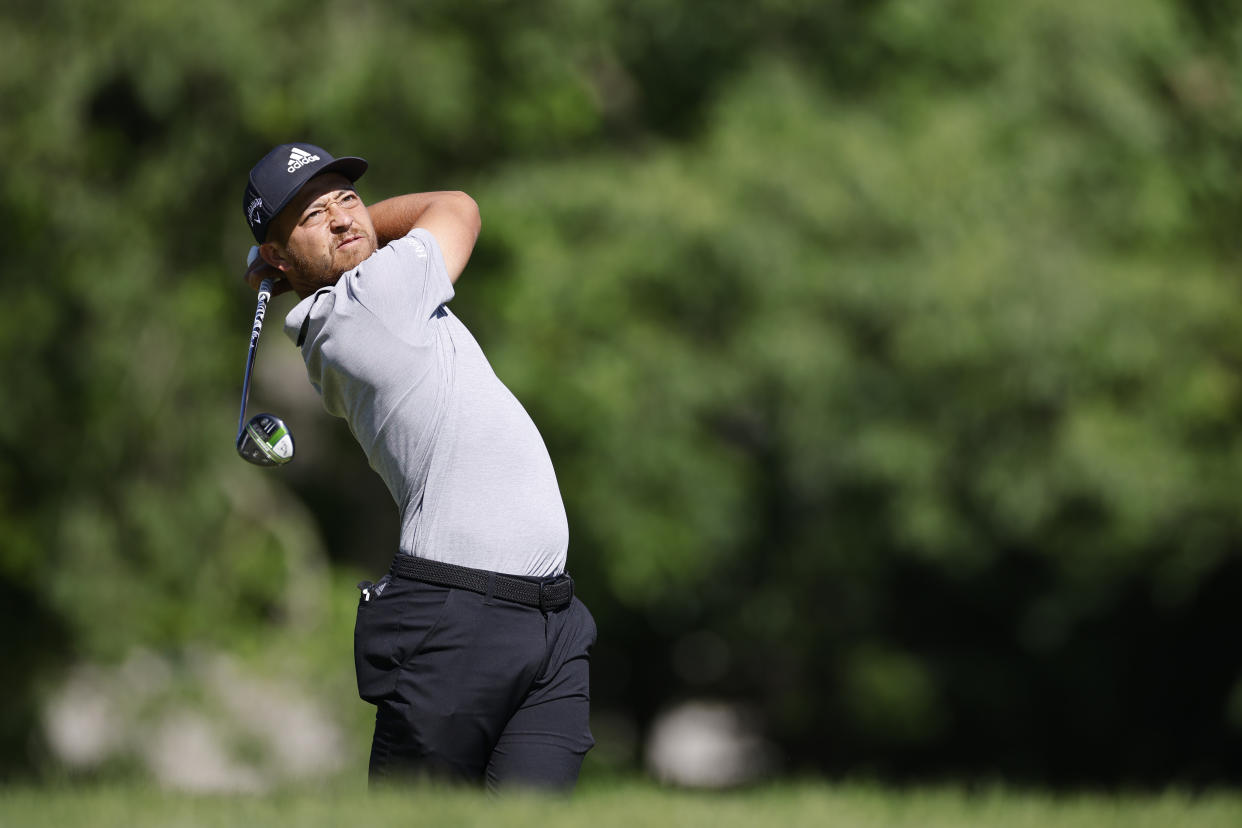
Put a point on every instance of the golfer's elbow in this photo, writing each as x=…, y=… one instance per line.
x=456, y=227
x=468, y=211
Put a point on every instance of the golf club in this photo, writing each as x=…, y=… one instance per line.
x=265, y=440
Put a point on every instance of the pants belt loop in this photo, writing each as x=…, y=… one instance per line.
x=491, y=587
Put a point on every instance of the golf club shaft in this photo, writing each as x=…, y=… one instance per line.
x=265, y=293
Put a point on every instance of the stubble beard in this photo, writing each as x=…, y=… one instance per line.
x=325, y=271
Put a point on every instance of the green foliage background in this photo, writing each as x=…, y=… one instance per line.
x=888, y=352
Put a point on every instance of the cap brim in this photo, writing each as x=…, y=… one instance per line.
x=349, y=166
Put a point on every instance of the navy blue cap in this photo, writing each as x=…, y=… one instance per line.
x=276, y=179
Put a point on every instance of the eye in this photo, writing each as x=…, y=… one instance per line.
x=349, y=198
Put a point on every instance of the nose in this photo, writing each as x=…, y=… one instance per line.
x=340, y=217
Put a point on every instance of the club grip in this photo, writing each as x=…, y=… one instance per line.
x=265, y=293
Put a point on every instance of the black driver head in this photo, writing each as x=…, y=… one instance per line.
x=265, y=441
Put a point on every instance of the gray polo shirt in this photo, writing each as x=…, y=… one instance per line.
x=463, y=460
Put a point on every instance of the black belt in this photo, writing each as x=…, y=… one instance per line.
x=546, y=595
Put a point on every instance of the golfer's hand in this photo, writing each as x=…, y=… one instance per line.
x=258, y=270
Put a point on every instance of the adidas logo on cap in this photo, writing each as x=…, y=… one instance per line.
x=299, y=158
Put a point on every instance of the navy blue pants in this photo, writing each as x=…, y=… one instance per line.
x=473, y=688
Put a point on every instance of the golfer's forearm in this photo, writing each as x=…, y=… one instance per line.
x=394, y=217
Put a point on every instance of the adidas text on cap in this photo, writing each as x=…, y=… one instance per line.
x=276, y=179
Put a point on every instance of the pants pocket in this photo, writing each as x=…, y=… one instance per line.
x=388, y=627
x=374, y=641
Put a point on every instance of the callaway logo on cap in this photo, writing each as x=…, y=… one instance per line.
x=276, y=179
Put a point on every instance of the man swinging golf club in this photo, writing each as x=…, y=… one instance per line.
x=473, y=648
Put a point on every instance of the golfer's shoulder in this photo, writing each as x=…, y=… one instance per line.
x=407, y=243
x=420, y=248
x=408, y=269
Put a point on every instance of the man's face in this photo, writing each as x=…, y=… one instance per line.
x=326, y=230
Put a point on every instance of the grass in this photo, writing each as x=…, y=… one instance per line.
x=630, y=804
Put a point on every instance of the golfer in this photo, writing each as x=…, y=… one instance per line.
x=472, y=648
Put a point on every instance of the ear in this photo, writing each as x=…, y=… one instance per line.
x=273, y=255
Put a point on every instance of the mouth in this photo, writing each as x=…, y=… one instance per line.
x=349, y=242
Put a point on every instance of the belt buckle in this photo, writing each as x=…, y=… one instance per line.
x=545, y=601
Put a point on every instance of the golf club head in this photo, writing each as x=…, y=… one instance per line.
x=265, y=441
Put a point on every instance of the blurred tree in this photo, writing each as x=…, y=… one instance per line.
x=926, y=404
